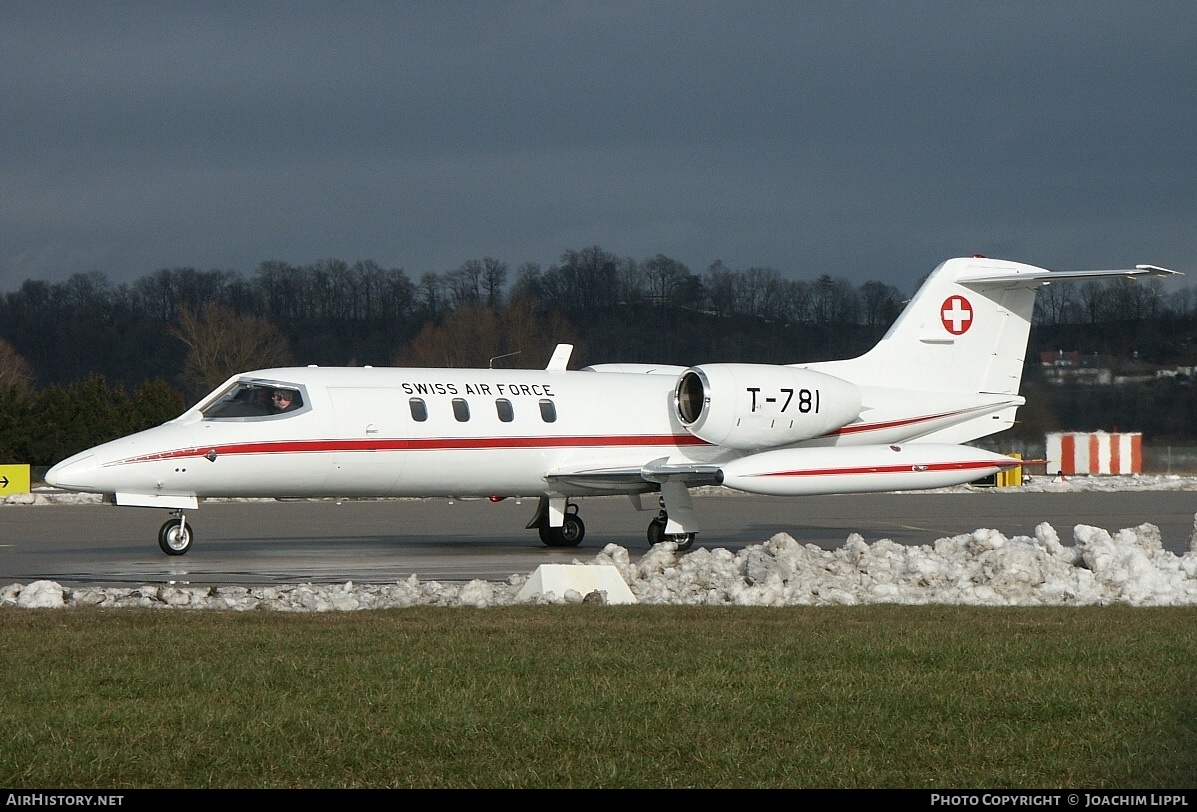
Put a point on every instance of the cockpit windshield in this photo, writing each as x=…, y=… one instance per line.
x=254, y=399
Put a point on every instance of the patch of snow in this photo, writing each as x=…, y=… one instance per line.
x=982, y=568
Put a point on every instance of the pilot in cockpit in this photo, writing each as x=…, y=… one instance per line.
x=284, y=401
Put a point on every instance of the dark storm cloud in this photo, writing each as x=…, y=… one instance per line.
x=869, y=140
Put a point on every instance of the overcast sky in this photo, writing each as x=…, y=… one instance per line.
x=867, y=140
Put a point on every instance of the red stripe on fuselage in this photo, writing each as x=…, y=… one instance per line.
x=856, y=428
x=421, y=444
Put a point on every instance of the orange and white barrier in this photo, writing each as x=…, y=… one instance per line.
x=1096, y=452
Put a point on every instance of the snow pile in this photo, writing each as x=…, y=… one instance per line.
x=47, y=496
x=301, y=598
x=1099, y=484
x=981, y=568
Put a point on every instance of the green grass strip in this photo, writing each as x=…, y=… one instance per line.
x=582, y=696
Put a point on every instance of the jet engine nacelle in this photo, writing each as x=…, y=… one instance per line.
x=752, y=406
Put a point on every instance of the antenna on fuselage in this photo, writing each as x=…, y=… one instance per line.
x=505, y=355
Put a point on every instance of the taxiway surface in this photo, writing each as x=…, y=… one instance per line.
x=388, y=540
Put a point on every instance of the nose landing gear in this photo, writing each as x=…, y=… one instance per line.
x=176, y=535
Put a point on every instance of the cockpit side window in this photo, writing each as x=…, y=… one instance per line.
x=256, y=399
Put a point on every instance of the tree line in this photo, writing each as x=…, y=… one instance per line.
x=183, y=330
x=333, y=312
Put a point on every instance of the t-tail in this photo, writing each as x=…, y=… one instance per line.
x=962, y=342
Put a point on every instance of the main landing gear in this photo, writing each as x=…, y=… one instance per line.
x=569, y=534
x=176, y=535
x=657, y=534
x=571, y=530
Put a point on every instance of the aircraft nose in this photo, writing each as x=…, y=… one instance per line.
x=74, y=473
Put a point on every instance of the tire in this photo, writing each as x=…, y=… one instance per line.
x=657, y=534
x=569, y=534
x=174, y=542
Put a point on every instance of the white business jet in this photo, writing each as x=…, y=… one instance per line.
x=895, y=418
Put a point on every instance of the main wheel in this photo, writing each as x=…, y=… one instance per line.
x=657, y=534
x=175, y=537
x=567, y=535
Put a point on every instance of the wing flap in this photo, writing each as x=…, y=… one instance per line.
x=646, y=477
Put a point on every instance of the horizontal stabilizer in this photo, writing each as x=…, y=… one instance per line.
x=1040, y=276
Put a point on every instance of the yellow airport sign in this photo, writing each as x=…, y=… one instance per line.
x=14, y=479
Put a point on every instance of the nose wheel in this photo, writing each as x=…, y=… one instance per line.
x=176, y=535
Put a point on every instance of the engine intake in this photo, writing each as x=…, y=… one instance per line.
x=752, y=406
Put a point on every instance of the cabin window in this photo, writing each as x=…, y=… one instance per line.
x=260, y=399
x=419, y=410
x=461, y=410
x=503, y=407
x=548, y=411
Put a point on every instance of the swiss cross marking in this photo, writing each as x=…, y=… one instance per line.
x=956, y=315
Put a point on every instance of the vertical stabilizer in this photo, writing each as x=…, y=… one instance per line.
x=956, y=335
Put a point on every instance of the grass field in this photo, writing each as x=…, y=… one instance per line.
x=585, y=696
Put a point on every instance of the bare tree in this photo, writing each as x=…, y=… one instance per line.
x=666, y=278
x=469, y=337
x=882, y=303
x=720, y=283
x=221, y=343
x=432, y=294
x=474, y=335
x=1095, y=299
x=15, y=372
x=534, y=335
x=494, y=277
x=465, y=283
x=529, y=284
x=1055, y=304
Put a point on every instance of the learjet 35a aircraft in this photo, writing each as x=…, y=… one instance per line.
x=895, y=418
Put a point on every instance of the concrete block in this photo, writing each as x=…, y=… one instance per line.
x=581, y=578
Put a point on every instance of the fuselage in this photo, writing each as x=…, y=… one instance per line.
x=399, y=432
x=362, y=431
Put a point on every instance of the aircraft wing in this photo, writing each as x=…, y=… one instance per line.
x=656, y=472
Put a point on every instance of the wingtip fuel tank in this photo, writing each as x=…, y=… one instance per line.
x=861, y=469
